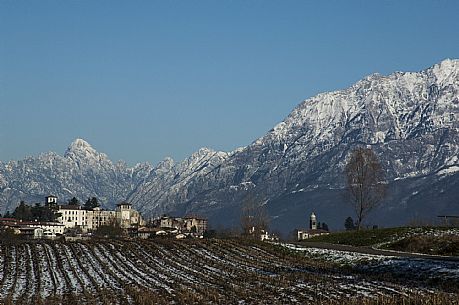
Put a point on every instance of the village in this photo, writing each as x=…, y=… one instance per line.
x=73, y=221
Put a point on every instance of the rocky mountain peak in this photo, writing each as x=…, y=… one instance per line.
x=80, y=145
x=80, y=150
x=446, y=72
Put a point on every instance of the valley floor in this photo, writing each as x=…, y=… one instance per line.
x=210, y=272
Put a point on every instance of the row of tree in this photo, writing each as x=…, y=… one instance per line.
x=34, y=212
x=46, y=213
x=90, y=204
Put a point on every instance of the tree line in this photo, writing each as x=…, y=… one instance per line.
x=46, y=213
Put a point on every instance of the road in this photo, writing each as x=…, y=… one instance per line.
x=373, y=251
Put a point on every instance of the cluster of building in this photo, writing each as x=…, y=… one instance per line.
x=72, y=218
x=179, y=227
x=77, y=218
x=33, y=229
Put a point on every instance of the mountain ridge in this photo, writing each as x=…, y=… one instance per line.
x=409, y=118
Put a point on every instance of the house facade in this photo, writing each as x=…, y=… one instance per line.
x=55, y=228
x=75, y=216
x=72, y=216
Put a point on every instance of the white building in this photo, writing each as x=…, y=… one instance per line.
x=99, y=217
x=303, y=234
x=53, y=227
x=75, y=216
x=37, y=229
x=126, y=216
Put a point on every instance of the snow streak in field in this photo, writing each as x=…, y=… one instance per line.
x=110, y=271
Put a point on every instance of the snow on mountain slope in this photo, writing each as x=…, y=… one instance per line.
x=81, y=172
x=409, y=118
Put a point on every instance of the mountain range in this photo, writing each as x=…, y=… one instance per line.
x=410, y=119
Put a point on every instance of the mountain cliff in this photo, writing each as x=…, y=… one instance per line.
x=410, y=119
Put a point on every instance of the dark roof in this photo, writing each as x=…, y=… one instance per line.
x=39, y=223
x=147, y=230
x=27, y=228
x=8, y=219
x=315, y=231
x=70, y=207
x=197, y=218
x=123, y=203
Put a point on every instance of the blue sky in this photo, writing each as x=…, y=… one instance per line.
x=142, y=80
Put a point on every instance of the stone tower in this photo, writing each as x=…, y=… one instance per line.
x=313, y=222
x=51, y=200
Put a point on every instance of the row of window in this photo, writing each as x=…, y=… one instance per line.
x=74, y=218
x=72, y=212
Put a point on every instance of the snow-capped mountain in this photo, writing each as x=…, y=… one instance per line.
x=81, y=172
x=410, y=119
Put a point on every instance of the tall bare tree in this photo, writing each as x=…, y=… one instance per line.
x=254, y=218
x=366, y=184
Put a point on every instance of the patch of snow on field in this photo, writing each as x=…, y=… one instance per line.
x=379, y=263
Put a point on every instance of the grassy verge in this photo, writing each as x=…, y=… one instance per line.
x=362, y=238
x=426, y=240
x=433, y=245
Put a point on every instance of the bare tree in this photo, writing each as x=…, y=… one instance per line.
x=254, y=218
x=366, y=185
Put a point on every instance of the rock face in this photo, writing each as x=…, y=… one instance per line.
x=81, y=172
x=411, y=120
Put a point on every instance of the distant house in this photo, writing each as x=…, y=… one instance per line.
x=195, y=225
x=145, y=233
x=265, y=236
x=29, y=232
x=126, y=216
x=55, y=228
x=189, y=226
x=312, y=231
x=7, y=222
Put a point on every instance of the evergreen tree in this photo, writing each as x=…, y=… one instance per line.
x=23, y=212
x=37, y=212
x=91, y=203
x=324, y=226
x=87, y=204
x=349, y=224
x=74, y=201
x=94, y=202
